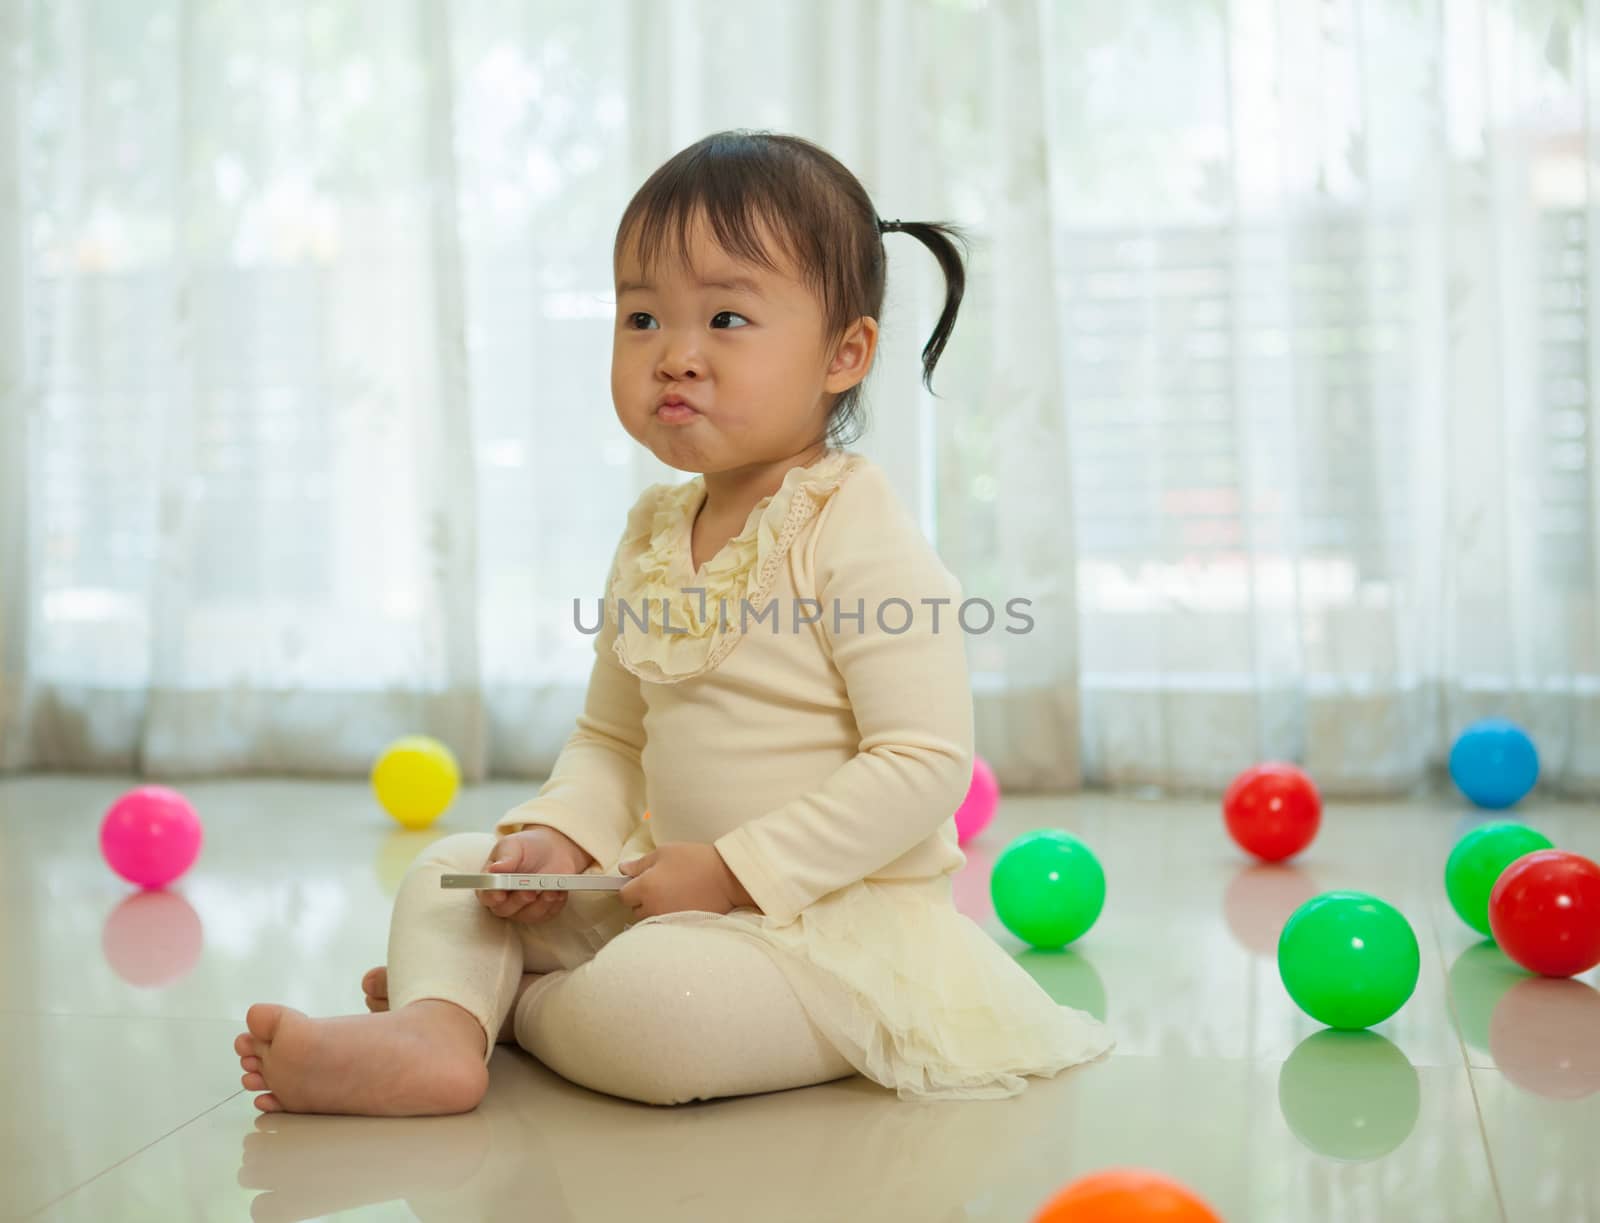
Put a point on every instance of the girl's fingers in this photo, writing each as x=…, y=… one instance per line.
x=513, y=904
x=520, y=902
x=518, y=905
x=494, y=899
x=547, y=904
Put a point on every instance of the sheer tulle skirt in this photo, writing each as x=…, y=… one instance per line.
x=915, y=995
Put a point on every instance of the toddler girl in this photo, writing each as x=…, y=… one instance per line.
x=779, y=680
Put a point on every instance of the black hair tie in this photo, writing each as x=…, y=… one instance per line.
x=887, y=227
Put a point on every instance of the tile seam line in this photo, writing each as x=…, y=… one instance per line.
x=1466, y=1066
x=160, y=1138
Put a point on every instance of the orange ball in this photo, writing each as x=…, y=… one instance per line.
x=1126, y=1195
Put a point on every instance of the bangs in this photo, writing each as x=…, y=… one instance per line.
x=661, y=228
x=760, y=201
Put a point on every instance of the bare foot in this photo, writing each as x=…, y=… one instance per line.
x=423, y=1060
x=375, y=985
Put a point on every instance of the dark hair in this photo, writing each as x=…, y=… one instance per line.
x=817, y=209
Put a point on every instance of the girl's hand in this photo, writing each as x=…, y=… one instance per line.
x=536, y=850
x=681, y=876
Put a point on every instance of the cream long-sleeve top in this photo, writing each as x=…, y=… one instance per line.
x=815, y=744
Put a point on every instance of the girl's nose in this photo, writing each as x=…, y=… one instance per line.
x=681, y=361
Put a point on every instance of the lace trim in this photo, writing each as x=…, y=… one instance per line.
x=798, y=503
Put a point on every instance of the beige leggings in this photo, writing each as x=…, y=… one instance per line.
x=661, y=1014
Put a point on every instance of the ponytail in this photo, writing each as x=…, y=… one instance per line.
x=936, y=235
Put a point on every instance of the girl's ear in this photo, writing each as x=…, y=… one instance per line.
x=852, y=357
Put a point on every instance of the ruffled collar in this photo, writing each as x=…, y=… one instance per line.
x=655, y=572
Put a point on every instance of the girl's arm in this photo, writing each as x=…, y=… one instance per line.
x=912, y=700
x=595, y=794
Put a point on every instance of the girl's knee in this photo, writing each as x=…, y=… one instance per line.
x=461, y=852
x=665, y=972
x=661, y=1016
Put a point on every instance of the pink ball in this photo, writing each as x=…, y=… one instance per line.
x=977, y=809
x=150, y=836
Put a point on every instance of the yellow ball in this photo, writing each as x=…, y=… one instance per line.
x=415, y=779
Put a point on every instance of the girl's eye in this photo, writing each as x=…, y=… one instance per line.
x=640, y=314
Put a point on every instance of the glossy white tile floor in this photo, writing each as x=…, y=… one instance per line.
x=120, y=1095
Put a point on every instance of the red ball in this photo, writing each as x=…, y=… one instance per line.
x=1544, y=912
x=1272, y=811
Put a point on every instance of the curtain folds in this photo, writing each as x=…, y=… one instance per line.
x=1266, y=429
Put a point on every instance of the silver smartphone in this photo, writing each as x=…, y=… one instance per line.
x=507, y=882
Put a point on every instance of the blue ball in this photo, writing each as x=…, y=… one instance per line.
x=1494, y=763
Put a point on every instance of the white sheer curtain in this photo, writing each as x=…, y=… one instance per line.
x=1271, y=392
x=1327, y=274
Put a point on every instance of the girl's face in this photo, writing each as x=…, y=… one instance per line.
x=741, y=345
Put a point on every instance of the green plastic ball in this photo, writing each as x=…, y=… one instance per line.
x=1047, y=887
x=1476, y=862
x=1348, y=959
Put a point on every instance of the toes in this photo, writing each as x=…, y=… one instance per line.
x=268, y=1103
x=376, y=982
x=244, y=1044
x=263, y=1019
x=253, y=1082
x=250, y=1063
